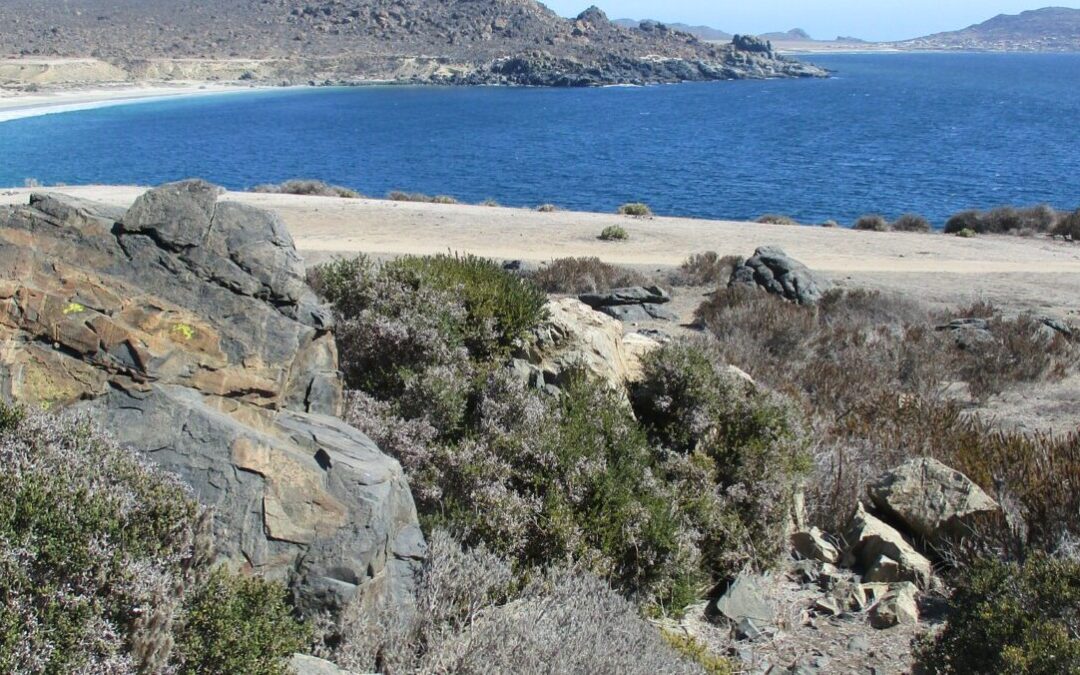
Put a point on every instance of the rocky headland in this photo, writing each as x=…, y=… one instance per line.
x=513, y=42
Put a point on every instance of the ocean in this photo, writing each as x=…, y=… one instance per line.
x=890, y=133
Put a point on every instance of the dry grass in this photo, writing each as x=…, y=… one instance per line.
x=872, y=372
x=705, y=269
x=314, y=188
x=585, y=275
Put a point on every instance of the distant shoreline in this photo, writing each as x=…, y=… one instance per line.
x=22, y=106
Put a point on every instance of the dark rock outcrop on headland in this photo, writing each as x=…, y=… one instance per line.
x=773, y=271
x=519, y=42
x=185, y=328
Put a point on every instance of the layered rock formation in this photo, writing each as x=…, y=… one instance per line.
x=341, y=41
x=185, y=327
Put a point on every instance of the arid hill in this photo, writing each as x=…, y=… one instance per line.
x=460, y=41
x=1051, y=29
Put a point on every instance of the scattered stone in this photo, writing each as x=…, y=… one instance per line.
x=898, y=607
x=744, y=599
x=772, y=270
x=858, y=643
x=872, y=538
x=634, y=295
x=302, y=664
x=931, y=500
x=746, y=629
x=828, y=605
x=812, y=545
x=639, y=313
x=884, y=570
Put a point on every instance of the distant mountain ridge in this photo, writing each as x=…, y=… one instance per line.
x=432, y=41
x=1050, y=29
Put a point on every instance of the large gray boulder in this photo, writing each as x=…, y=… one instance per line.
x=932, y=501
x=185, y=327
x=773, y=271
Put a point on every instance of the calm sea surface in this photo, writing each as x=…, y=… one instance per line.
x=928, y=133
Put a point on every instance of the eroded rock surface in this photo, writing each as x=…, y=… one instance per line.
x=185, y=327
x=777, y=273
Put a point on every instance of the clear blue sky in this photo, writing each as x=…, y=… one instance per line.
x=825, y=19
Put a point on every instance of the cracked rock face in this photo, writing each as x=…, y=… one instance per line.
x=185, y=328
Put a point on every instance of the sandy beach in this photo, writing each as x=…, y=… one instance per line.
x=1020, y=274
x=18, y=105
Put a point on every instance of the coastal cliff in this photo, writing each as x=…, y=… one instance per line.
x=513, y=42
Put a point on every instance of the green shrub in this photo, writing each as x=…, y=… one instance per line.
x=910, y=222
x=501, y=307
x=775, y=219
x=490, y=203
x=965, y=220
x=101, y=556
x=547, y=208
x=635, y=209
x=443, y=199
x=235, y=624
x=871, y=223
x=614, y=233
x=967, y=233
x=1021, y=618
x=584, y=275
x=745, y=447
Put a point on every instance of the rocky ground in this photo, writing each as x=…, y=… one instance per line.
x=346, y=41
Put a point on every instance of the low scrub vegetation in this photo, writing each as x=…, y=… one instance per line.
x=910, y=222
x=1018, y=617
x=474, y=616
x=584, y=275
x=705, y=269
x=635, y=209
x=1005, y=220
x=614, y=233
x=871, y=223
x=547, y=208
x=776, y=219
x=1069, y=226
x=871, y=372
x=399, y=196
x=313, y=188
x=660, y=512
x=104, y=565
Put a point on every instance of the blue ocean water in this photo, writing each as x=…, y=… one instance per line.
x=890, y=133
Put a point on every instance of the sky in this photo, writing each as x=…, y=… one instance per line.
x=823, y=19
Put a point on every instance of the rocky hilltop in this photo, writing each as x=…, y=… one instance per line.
x=1051, y=29
x=186, y=328
x=346, y=41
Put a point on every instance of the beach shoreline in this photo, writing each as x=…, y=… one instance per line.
x=1021, y=274
x=19, y=105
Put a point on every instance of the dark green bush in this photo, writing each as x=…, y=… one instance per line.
x=235, y=624
x=1004, y=220
x=744, y=446
x=1021, y=618
x=501, y=307
x=965, y=220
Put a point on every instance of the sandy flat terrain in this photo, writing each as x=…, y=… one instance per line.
x=18, y=105
x=1016, y=273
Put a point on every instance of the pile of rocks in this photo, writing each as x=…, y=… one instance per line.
x=869, y=591
x=775, y=272
x=632, y=305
